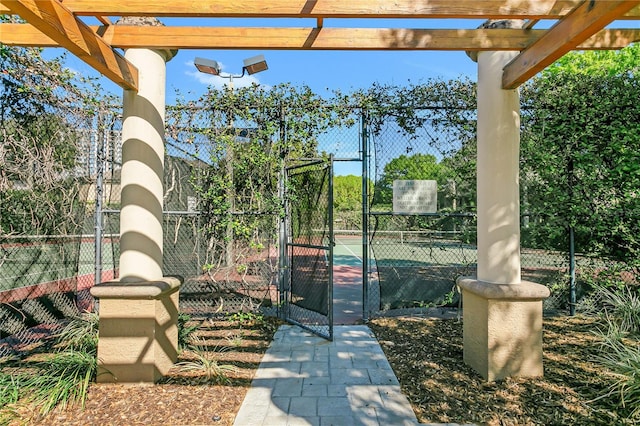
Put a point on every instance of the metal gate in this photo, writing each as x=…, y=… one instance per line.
x=308, y=284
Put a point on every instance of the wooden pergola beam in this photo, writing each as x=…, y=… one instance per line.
x=583, y=22
x=317, y=38
x=124, y=36
x=478, y=9
x=57, y=22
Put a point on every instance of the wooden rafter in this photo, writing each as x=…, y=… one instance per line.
x=583, y=22
x=482, y=9
x=58, y=23
x=123, y=36
x=103, y=19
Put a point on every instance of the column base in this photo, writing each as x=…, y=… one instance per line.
x=138, y=333
x=502, y=327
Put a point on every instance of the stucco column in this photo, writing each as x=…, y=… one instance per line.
x=502, y=327
x=143, y=169
x=498, y=173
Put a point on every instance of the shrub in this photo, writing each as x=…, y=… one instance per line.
x=620, y=351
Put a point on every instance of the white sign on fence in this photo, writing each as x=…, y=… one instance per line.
x=415, y=196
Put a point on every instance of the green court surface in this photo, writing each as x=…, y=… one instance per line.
x=27, y=264
x=348, y=251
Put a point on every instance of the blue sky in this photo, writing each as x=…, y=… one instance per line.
x=323, y=71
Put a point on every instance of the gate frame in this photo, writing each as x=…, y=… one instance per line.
x=286, y=255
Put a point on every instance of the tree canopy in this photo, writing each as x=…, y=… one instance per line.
x=581, y=163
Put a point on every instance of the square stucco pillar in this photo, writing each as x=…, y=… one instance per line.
x=138, y=333
x=502, y=328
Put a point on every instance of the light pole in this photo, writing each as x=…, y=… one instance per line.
x=252, y=65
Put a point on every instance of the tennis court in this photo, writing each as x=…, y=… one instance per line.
x=409, y=269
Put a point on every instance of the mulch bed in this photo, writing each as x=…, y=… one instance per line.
x=426, y=355
x=183, y=397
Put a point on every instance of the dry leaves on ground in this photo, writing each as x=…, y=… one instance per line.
x=426, y=355
x=183, y=397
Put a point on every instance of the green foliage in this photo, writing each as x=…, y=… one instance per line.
x=580, y=163
x=347, y=193
x=623, y=360
x=621, y=307
x=205, y=366
x=246, y=318
x=347, y=201
x=186, y=329
x=598, y=62
x=9, y=396
x=9, y=389
x=251, y=133
x=80, y=334
x=62, y=379
x=620, y=350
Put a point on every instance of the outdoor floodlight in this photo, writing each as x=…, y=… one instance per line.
x=255, y=64
x=207, y=66
x=251, y=66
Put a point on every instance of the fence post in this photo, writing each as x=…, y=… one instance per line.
x=100, y=157
x=283, y=262
x=365, y=216
x=572, y=272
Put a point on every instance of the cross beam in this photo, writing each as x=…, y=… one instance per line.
x=583, y=22
x=469, y=9
x=124, y=36
x=57, y=22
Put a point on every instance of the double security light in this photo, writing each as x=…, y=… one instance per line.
x=252, y=65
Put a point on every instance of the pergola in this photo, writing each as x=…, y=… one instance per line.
x=503, y=327
x=577, y=24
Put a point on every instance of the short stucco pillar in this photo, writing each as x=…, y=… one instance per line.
x=502, y=314
x=138, y=335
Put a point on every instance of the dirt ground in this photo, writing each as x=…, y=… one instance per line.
x=426, y=355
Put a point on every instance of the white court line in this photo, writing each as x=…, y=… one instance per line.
x=351, y=251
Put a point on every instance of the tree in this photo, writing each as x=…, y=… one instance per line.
x=347, y=193
x=598, y=62
x=580, y=161
x=347, y=201
x=43, y=108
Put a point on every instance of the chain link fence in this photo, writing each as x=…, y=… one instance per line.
x=47, y=239
x=60, y=192
x=416, y=255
